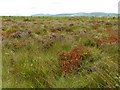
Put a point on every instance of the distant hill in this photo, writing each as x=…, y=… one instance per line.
x=79, y=14
x=41, y=15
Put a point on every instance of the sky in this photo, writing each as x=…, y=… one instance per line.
x=29, y=7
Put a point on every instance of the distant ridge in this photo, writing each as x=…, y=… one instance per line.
x=79, y=14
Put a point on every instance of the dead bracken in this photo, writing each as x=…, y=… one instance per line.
x=71, y=60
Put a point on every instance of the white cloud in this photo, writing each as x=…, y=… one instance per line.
x=28, y=7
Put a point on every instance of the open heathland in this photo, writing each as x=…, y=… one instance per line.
x=60, y=52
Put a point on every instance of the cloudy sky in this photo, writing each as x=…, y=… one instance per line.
x=29, y=7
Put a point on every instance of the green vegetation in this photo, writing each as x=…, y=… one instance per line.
x=31, y=46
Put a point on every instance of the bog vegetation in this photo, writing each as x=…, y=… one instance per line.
x=60, y=52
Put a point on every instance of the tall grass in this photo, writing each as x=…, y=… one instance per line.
x=34, y=64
